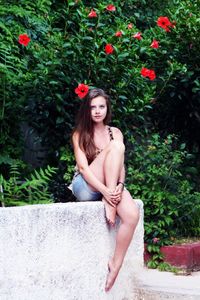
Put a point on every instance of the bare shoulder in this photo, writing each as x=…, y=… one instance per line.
x=117, y=133
x=75, y=137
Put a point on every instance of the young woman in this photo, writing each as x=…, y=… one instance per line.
x=99, y=153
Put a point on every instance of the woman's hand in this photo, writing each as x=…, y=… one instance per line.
x=113, y=197
x=118, y=191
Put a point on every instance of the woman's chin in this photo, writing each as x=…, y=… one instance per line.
x=98, y=120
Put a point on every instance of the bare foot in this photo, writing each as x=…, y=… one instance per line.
x=110, y=212
x=112, y=275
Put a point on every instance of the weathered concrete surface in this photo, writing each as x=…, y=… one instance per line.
x=60, y=252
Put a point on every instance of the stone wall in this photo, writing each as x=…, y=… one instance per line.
x=60, y=252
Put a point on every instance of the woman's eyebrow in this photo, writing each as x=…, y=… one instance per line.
x=97, y=105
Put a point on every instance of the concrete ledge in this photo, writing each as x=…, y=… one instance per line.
x=184, y=256
x=60, y=252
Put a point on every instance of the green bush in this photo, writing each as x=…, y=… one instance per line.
x=38, y=81
x=45, y=79
x=177, y=107
x=157, y=175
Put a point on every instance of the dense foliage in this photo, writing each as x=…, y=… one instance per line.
x=159, y=175
x=149, y=66
x=22, y=191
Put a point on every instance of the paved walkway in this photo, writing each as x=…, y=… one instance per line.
x=156, y=285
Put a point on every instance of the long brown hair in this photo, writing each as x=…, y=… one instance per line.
x=85, y=125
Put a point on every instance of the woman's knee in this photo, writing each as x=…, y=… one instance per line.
x=127, y=209
x=132, y=217
x=117, y=145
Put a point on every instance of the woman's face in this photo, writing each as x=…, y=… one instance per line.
x=98, y=108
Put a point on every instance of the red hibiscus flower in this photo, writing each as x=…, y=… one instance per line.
x=109, y=49
x=92, y=14
x=144, y=72
x=82, y=90
x=24, y=39
x=148, y=73
x=130, y=26
x=154, y=44
x=152, y=74
x=138, y=36
x=111, y=7
x=164, y=23
x=118, y=33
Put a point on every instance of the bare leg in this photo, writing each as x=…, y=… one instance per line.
x=112, y=166
x=107, y=167
x=129, y=215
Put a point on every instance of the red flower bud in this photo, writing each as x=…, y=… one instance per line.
x=118, y=33
x=138, y=36
x=154, y=44
x=111, y=7
x=155, y=240
x=130, y=26
x=92, y=14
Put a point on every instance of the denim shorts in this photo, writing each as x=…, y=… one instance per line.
x=82, y=190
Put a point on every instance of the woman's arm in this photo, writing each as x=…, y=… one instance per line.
x=122, y=175
x=120, y=186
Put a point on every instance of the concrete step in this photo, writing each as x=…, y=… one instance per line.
x=156, y=285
